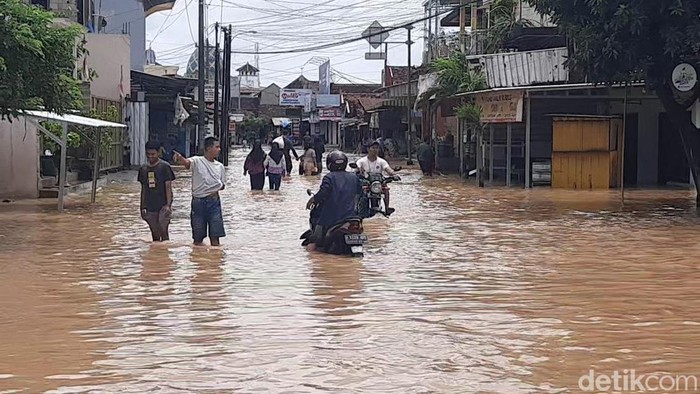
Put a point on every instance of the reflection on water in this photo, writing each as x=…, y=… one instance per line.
x=463, y=290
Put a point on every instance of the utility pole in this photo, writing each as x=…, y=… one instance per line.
x=409, y=132
x=226, y=99
x=200, y=86
x=217, y=70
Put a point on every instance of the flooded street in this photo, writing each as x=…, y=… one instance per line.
x=463, y=290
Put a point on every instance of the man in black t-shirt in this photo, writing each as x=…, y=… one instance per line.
x=156, y=193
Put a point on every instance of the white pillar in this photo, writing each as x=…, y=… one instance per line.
x=62, y=179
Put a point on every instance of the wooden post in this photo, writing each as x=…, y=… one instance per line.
x=622, y=150
x=96, y=165
x=62, y=175
x=528, y=131
x=509, y=153
x=462, y=26
x=491, y=132
x=460, y=141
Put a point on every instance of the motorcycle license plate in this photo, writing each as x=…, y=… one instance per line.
x=356, y=249
x=355, y=239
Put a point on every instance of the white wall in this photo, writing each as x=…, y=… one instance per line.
x=110, y=57
x=529, y=13
x=19, y=159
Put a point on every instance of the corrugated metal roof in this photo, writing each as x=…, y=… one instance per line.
x=526, y=68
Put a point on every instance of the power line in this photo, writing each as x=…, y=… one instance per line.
x=348, y=41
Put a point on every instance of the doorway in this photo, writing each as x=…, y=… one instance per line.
x=673, y=166
x=631, y=149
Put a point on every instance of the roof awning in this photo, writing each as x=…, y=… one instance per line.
x=65, y=120
x=72, y=119
x=281, y=122
x=153, y=6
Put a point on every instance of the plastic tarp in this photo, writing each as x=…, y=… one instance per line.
x=281, y=122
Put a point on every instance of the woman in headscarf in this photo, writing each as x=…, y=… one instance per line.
x=276, y=166
x=309, y=158
x=254, y=164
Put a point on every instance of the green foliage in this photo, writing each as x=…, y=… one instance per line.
x=504, y=20
x=254, y=127
x=37, y=60
x=623, y=40
x=75, y=133
x=454, y=77
x=469, y=113
x=110, y=115
x=57, y=130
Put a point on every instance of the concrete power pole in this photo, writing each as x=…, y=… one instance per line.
x=257, y=61
x=200, y=87
x=409, y=119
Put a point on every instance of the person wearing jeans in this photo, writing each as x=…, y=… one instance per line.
x=208, y=179
x=276, y=166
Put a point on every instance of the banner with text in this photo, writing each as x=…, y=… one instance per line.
x=324, y=78
x=295, y=97
x=501, y=107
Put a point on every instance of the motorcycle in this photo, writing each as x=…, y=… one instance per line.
x=373, y=187
x=344, y=239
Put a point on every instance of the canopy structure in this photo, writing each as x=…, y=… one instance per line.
x=37, y=116
x=281, y=122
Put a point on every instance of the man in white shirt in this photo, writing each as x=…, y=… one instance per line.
x=373, y=164
x=208, y=178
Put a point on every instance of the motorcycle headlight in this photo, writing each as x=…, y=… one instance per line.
x=376, y=187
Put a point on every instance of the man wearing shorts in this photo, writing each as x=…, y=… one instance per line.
x=208, y=178
x=156, y=179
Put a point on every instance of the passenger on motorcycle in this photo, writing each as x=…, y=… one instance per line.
x=337, y=197
x=373, y=164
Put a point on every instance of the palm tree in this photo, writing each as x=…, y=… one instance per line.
x=504, y=20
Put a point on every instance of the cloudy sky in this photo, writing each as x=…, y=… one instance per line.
x=282, y=25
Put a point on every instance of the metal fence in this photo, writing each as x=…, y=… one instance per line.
x=113, y=156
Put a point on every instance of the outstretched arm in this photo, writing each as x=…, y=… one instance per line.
x=181, y=160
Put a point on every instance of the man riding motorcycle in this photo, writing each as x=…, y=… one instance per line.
x=337, y=197
x=373, y=164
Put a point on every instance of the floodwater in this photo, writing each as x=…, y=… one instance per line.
x=462, y=291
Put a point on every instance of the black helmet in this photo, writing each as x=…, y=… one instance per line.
x=336, y=161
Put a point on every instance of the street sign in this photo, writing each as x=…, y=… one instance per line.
x=375, y=35
x=375, y=55
x=685, y=77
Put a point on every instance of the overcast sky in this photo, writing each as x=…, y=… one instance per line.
x=291, y=24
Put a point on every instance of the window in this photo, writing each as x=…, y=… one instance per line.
x=41, y=3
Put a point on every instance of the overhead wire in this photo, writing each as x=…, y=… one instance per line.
x=343, y=42
x=342, y=36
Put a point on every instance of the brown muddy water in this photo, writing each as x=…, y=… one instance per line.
x=462, y=291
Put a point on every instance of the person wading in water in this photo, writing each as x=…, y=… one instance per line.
x=276, y=166
x=156, y=179
x=255, y=166
x=208, y=179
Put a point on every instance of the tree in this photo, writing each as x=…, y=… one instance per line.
x=617, y=41
x=503, y=21
x=37, y=60
x=254, y=127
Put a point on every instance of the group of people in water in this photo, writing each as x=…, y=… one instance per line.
x=338, y=191
x=278, y=163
